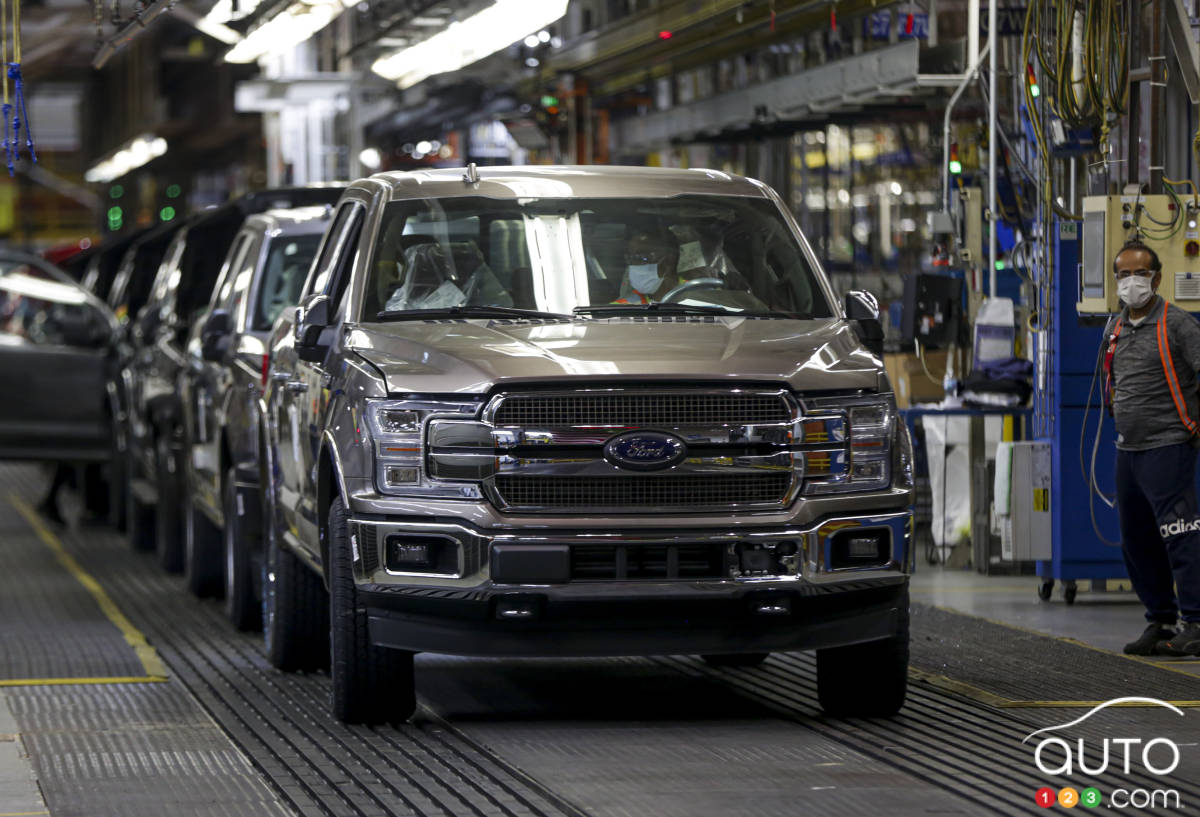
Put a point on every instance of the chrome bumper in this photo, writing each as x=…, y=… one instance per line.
x=808, y=556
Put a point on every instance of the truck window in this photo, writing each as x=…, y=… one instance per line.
x=729, y=253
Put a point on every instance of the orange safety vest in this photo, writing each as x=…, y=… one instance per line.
x=625, y=300
x=1164, y=357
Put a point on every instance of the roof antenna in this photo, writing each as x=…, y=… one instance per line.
x=472, y=174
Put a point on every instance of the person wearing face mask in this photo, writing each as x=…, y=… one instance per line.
x=651, y=258
x=1151, y=361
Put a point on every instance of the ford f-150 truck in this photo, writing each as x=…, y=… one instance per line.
x=555, y=411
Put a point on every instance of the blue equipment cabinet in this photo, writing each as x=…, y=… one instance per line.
x=1077, y=551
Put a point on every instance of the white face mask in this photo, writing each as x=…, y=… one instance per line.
x=644, y=278
x=1135, y=291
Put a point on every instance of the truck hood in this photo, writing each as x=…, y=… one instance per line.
x=472, y=356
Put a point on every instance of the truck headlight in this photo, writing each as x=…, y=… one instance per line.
x=863, y=460
x=396, y=428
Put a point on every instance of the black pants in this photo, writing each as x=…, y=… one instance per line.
x=1160, y=529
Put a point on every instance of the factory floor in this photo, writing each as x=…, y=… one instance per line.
x=122, y=695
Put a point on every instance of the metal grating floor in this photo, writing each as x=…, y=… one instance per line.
x=608, y=737
x=975, y=651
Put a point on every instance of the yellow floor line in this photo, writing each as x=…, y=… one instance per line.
x=22, y=813
x=155, y=670
x=49, y=682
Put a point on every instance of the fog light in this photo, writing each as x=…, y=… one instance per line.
x=870, y=471
x=397, y=476
x=862, y=547
x=421, y=554
x=859, y=548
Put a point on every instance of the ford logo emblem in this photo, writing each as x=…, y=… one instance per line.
x=645, y=450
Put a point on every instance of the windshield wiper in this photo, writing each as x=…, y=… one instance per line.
x=465, y=312
x=658, y=306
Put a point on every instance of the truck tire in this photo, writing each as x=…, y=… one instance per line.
x=118, y=483
x=201, y=549
x=168, y=523
x=241, y=605
x=866, y=680
x=295, y=612
x=736, y=660
x=140, y=523
x=370, y=684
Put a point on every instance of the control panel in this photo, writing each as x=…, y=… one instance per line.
x=1169, y=225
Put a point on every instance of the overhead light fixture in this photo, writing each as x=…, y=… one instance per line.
x=470, y=40
x=370, y=158
x=285, y=30
x=218, y=31
x=128, y=157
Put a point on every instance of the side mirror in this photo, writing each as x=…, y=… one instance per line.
x=215, y=335
x=312, y=319
x=149, y=321
x=863, y=309
x=81, y=326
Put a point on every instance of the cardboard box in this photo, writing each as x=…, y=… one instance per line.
x=908, y=377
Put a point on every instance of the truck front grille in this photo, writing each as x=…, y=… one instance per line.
x=647, y=493
x=641, y=410
x=619, y=562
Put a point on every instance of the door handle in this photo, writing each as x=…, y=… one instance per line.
x=296, y=386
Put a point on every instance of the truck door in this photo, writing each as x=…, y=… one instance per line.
x=306, y=393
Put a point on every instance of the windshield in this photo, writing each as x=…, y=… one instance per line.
x=722, y=253
x=288, y=260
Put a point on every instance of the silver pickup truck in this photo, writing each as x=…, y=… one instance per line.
x=592, y=411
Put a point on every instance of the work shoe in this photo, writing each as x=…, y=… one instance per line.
x=1185, y=642
x=1155, y=636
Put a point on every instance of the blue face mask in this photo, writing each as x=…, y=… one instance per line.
x=645, y=278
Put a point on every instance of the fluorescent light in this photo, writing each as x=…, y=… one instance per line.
x=218, y=31
x=130, y=156
x=470, y=40
x=285, y=30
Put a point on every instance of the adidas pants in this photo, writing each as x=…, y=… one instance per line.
x=1160, y=529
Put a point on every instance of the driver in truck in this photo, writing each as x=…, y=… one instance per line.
x=651, y=264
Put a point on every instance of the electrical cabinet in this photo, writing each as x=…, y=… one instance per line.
x=1027, y=530
x=1169, y=226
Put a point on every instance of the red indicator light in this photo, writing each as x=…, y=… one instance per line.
x=664, y=35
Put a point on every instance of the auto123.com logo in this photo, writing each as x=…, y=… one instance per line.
x=1058, y=754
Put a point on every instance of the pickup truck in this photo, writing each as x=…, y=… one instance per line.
x=266, y=266
x=182, y=288
x=580, y=411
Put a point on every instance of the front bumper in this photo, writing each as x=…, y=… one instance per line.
x=542, y=604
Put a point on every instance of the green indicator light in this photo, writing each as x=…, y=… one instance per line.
x=549, y=101
x=173, y=191
x=116, y=191
x=1000, y=264
x=955, y=166
x=115, y=213
x=1035, y=91
x=167, y=213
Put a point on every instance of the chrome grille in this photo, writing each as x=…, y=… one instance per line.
x=686, y=561
x=634, y=409
x=644, y=493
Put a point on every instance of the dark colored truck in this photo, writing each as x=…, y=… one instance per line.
x=227, y=364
